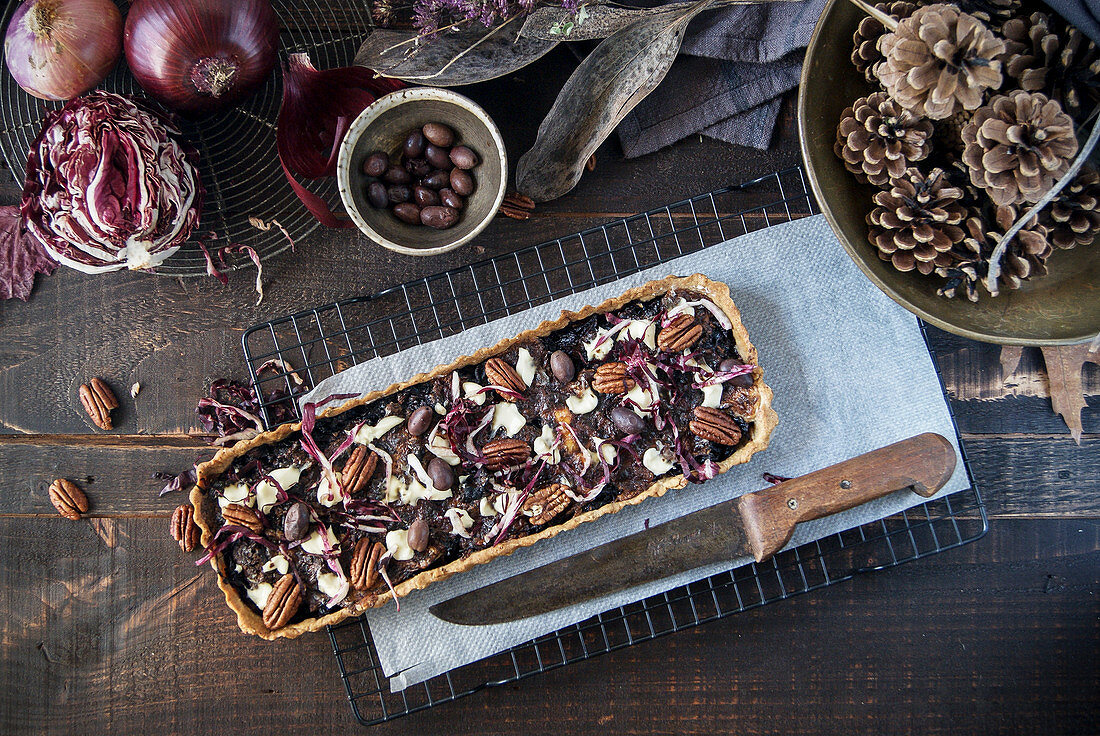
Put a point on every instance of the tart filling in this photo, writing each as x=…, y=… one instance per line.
x=650, y=391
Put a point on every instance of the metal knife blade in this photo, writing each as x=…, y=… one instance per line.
x=756, y=525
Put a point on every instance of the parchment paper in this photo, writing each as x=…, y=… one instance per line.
x=850, y=374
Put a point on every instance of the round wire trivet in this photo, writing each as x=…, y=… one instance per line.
x=238, y=161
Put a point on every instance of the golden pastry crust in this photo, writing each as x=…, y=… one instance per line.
x=762, y=424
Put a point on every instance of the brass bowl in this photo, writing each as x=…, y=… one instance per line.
x=1060, y=308
x=383, y=126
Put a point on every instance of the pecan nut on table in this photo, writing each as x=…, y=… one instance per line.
x=550, y=429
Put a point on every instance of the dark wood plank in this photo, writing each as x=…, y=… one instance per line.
x=115, y=630
x=1018, y=475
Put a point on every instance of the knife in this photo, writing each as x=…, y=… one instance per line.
x=756, y=524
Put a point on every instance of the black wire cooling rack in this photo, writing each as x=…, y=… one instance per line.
x=329, y=339
x=238, y=163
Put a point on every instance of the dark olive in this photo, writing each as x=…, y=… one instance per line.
x=450, y=199
x=418, y=535
x=440, y=218
x=425, y=197
x=439, y=134
x=420, y=421
x=626, y=420
x=463, y=157
x=441, y=474
x=462, y=182
x=436, y=180
x=396, y=175
x=418, y=167
x=296, y=522
x=376, y=195
x=743, y=381
x=437, y=157
x=561, y=365
x=398, y=193
x=414, y=144
x=407, y=212
x=376, y=164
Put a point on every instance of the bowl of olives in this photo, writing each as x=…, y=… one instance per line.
x=422, y=171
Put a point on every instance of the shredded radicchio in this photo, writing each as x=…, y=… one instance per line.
x=186, y=479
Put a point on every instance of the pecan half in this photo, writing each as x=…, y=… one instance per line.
x=183, y=528
x=680, y=334
x=517, y=206
x=68, y=499
x=234, y=513
x=612, y=378
x=505, y=453
x=546, y=503
x=364, y=564
x=283, y=602
x=98, y=401
x=358, y=469
x=501, y=373
x=714, y=425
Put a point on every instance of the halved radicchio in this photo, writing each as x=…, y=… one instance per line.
x=107, y=188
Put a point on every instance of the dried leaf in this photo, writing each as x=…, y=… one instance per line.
x=451, y=59
x=555, y=23
x=1010, y=359
x=1067, y=395
x=606, y=86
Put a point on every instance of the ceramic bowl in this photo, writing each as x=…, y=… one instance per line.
x=1060, y=308
x=383, y=127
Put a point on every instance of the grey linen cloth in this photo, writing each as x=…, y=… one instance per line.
x=850, y=373
x=734, y=66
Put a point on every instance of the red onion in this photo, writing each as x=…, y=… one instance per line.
x=58, y=49
x=201, y=55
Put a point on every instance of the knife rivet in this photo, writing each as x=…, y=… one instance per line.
x=845, y=484
x=792, y=503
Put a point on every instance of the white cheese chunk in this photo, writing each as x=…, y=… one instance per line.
x=314, y=545
x=643, y=400
x=415, y=490
x=681, y=307
x=330, y=584
x=608, y=451
x=485, y=507
x=544, y=446
x=598, y=353
x=506, y=415
x=525, y=366
x=328, y=496
x=369, y=433
x=440, y=446
x=641, y=329
x=712, y=395
x=236, y=493
x=470, y=391
x=395, y=487
x=655, y=461
x=500, y=502
x=440, y=409
x=278, y=562
x=259, y=594
x=584, y=403
x=397, y=542
x=267, y=495
x=461, y=521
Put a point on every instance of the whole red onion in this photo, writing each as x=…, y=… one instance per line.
x=58, y=49
x=201, y=55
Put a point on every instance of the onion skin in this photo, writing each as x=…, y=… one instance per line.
x=198, y=56
x=59, y=49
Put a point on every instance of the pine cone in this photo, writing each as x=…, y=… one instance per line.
x=1017, y=146
x=917, y=221
x=1073, y=218
x=878, y=139
x=991, y=12
x=865, y=53
x=1059, y=61
x=1025, y=258
x=939, y=61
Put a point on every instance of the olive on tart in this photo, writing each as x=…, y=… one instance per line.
x=601, y=408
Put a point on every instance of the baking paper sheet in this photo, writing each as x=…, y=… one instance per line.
x=850, y=373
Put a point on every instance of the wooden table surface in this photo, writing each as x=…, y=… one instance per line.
x=105, y=627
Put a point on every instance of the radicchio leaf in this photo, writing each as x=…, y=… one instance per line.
x=21, y=256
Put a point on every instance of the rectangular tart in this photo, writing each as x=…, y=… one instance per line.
x=318, y=520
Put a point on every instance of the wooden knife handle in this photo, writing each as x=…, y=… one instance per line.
x=922, y=463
